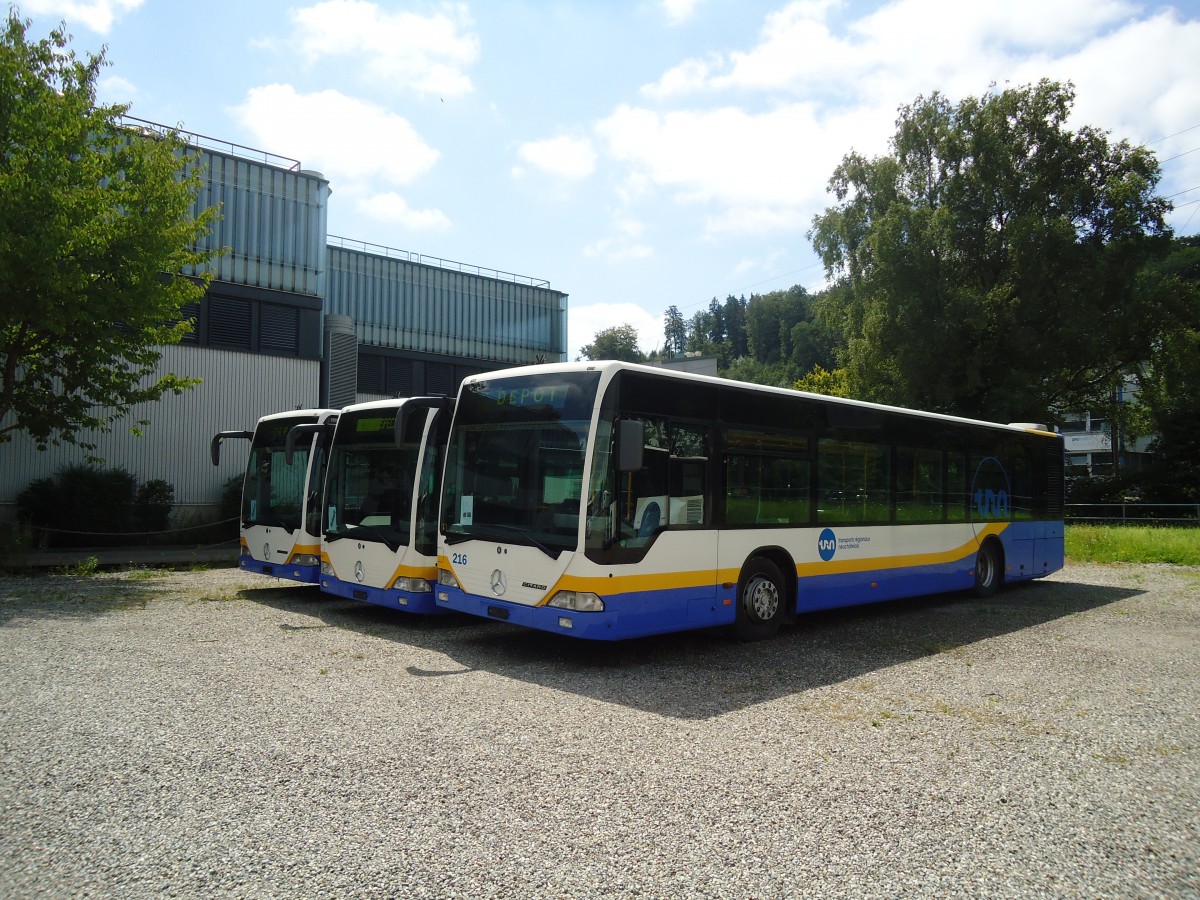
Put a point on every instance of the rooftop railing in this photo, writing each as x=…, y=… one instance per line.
x=437, y=261
x=210, y=143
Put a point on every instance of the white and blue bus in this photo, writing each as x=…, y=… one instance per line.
x=608, y=500
x=379, y=531
x=281, y=495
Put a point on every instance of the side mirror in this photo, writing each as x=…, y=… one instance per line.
x=631, y=439
x=289, y=445
x=219, y=438
x=437, y=404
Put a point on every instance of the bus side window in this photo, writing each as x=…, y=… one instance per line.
x=918, y=485
x=642, y=502
x=688, y=468
x=854, y=481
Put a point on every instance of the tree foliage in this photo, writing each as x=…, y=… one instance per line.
x=771, y=338
x=988, y=265
x=1169, y=397
x=96, y=222
x=674, y=332
x=618, y=342
x=820, y=381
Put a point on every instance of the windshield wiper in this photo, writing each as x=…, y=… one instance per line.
x=372, y=532
x=521, y=535
x=273, y=523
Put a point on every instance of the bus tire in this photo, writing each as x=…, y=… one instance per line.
x=989, y=569
x=761, y=603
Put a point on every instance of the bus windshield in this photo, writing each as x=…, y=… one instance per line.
x=515, y=460
x=273, y=493
x=368, y=491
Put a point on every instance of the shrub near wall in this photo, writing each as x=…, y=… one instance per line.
x=84, y=506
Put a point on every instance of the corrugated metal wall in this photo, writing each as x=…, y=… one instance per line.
x=237, y=389
x=273, y=221
x=407, y=305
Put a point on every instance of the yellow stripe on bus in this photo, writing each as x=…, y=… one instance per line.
x=621, y=584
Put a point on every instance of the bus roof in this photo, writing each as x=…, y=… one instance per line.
x=610, y=366
x=321, y=414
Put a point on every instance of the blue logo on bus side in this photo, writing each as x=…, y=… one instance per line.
x=827, y=544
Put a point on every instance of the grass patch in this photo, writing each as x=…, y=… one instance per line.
x=1133, y=544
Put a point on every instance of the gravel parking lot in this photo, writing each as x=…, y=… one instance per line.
x=223, y=734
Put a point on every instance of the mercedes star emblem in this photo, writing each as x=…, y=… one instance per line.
x=358, y=570
x=499, y=585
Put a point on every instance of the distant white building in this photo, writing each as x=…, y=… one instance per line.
x=1088, y=442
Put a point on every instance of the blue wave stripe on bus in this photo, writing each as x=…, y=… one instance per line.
x=404, y=601
x=302, y=574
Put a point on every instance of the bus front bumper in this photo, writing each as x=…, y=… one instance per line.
x=303, y=574
x=598, y=626
x=405, y=601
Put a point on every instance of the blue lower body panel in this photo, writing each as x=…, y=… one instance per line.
x=624, y=616
x=405, y=601
x=1031, y=550
x=303, y=574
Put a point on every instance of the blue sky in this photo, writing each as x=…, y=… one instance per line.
x=634, y=154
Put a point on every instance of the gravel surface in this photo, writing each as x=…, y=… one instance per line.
x=223, y=734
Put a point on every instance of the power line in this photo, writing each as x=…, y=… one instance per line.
x=1177, y=155
x=1176, y=134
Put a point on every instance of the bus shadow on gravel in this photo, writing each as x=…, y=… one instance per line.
x=701, y=674
x=60, y=596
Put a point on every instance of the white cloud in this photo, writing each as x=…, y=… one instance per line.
x=357, y=145
x=115, y=89
x=97, y=15
x=905, y=47
x=766, y=125
x=728, y=156
x=623, y=245
x=565, y=157
x=391, y=207
x=679, y=11
x=428, y=54
x=690, y=76
x=583, y=322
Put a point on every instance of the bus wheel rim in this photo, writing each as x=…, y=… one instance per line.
x=762, y=599
x=986, y=569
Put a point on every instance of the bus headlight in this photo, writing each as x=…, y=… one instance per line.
x=305, y=559
x=446, y=578
x=327, y=569
x=580, y=601
x=413, y=585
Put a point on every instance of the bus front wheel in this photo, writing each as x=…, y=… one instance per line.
x=989, y=569
x=760, y=601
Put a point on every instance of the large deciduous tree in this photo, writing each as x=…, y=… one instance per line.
x=988, y=265
x=96, y=226
x=618, y=342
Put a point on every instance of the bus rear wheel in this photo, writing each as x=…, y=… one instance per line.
x=988, y=570
x=760, y=601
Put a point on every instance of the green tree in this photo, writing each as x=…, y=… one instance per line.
x=820, y=381
x=674, y=332
x=618, y=342
x=1169, y=399
x=733, y=317
x=989, y=264
x=96, y=222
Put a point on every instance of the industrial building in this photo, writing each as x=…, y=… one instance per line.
x=296, y=318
